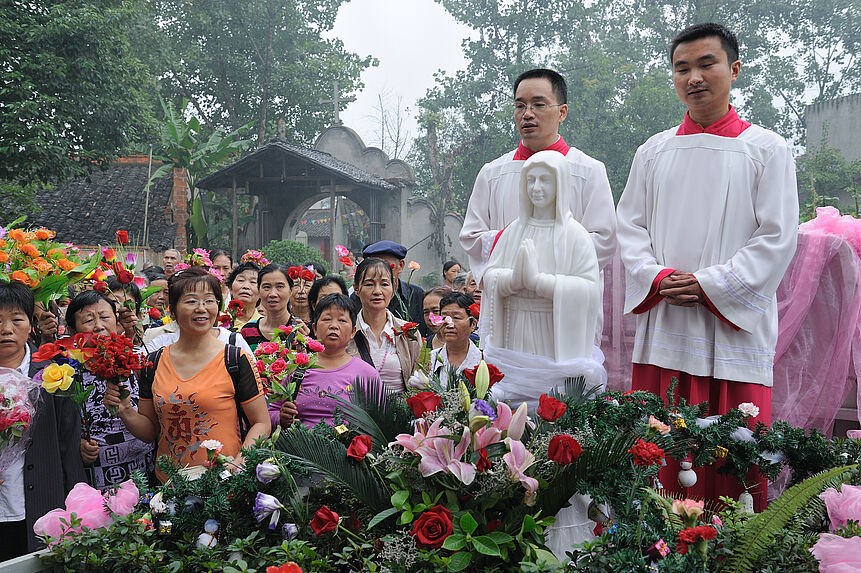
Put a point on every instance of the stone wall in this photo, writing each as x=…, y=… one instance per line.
x=840, y=120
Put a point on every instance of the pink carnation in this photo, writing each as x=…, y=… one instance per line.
x=261, y=366
x=125, y=499
x=269, y=347
x=837, y=554
x=315, y=346
x=301, y=359
x=843, y=505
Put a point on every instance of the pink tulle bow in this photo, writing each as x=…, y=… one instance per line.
x=838, y=554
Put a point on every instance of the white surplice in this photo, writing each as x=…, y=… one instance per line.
x=494, y=204
x=726, y=209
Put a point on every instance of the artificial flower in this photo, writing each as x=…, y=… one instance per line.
x=315, y=346
x=483, y=463
x=359, y=447
x=423, y=402
x=123, y=237
x=475, y=309
x=154, y=313
x=749, y=409
x=843, y=505
x=289, y=567
x=837, y=554
x=658, y=426
x=433, y=527
x=342, y=250
x=721, y=452
x=563, y=449
x=124, y=500
x=518, y=460
x=236, y=304
x=57, y=377
x=550, y=409
x=646, y=453
x=679, y=424
x=301, y=359
x=414, y=266
x=324, y=521
x=495, y=375
x=266, y=505
x=267, y=470
x=44, y=234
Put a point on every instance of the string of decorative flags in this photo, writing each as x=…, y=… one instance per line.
x=326, y=219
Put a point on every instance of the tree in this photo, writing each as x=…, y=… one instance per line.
x=391, y=135
x=825, y=177
x=73, y=94
x=258, y=60
x=292, y=253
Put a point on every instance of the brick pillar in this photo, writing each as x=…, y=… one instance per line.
x=179, y=205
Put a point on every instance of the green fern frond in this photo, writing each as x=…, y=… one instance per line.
x=759, y=531
x=576, y=394
x=376, y=412
x=591, y=461
x=329, y=457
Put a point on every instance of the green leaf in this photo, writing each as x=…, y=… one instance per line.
x=486, y=545
x=500, y=537
x=382, y=516
x=528, y=524
x=546, y=557
x=454, y=542
x=459, y=561
x=406, y=517
x=468, y=523
x=399, y=498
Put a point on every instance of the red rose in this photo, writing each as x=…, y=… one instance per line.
x=646, y=453
x=294, y=273
x=236, y=304
x=307, y=275
x=100, y=286
x=278, y=366
x=123, y=237
x=495, y=375
x=423, y=402
x=475, y=309
x=301, y=359
x=124, y=277
x=359, y=448
x=564, y=449
x=289, y=567
x=154, y=313
x=483, y=464
x=433, y=527
x=550, y=409
x=324, y=521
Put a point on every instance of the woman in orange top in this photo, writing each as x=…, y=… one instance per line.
x=192, y=397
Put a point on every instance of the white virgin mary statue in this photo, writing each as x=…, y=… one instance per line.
x=541, y=295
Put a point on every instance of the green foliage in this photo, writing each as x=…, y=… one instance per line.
x=826, y=178
x=18, y=200
x=74, y=93
x=375, y=411
x=759, y=532
x=292, y=253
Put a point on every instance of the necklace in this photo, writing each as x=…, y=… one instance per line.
x=386, y=346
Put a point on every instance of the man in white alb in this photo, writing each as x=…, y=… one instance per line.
x=707, y=227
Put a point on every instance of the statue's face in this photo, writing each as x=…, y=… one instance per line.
x=541, y=186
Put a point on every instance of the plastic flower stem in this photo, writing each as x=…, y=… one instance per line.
x=634, y=483
x=640, y=525
x=351, y=534
x=374, y=467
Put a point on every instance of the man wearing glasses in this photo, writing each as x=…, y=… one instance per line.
x=540, y=105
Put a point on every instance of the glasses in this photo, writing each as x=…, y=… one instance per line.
x=537, y=107
x=193, y=302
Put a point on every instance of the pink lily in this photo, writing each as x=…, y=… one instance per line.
x=412, y=442
x=439, y=454
x=519, y=459
x=486, y=436
x=514, y=424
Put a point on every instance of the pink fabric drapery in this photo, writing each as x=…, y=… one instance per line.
x=819, y=341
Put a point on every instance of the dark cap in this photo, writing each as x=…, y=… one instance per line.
x=385, y=248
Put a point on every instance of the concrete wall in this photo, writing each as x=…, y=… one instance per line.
x=416, y=230
x=841, y=119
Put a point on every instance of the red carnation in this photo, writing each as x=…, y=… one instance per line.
x=359, y=448
x=483, y=464
x=123, y=237
x=495, y=375
x=692, y=535
x=423, y=402
x=154, y=313
x=346, y=261
x=433, y=527
x=646, y=453
x=324, y=521
x=564, y=449
x=475, y=309
x=307, y=275
x=236, y=304
x=550, y=409
x=294, y=273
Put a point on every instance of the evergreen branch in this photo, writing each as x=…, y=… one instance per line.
x=375, y=412
x=760, y=531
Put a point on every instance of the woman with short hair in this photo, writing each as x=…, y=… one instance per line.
x=242, y=282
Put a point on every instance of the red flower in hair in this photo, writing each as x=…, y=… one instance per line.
x=475, y=309
x=123, y=237
x=307, y=275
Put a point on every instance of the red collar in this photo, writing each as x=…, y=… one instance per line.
x=524, y=152
x=729, y=125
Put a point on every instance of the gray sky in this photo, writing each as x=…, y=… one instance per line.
x=412, y=39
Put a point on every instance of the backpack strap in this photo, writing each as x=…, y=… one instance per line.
x=231, y=362
x=148, y=374
x=232, y=340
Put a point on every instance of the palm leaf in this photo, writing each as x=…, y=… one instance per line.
x=329, y=457
x=590, y=462
x=576, y=394
x=759, y=532
x=664, y=498
x=376, y=412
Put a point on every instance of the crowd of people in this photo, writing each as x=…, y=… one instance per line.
x=202, y=382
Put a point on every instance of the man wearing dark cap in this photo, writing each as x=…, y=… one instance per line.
x=407, y=302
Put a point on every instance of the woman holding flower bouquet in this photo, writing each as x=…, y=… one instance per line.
x=110, y=452
x=387, y=343
x=242, y=283
x=38, y=481
x=337, y=371
x=189, y=396
x=275, y=287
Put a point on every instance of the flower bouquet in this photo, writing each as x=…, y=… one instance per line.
x=114, y=360
x=256, y=257
x=16, y=411
x=227, y=319
x=284, y=360
x=35, y=259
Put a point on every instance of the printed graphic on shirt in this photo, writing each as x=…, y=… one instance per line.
x=184, y=423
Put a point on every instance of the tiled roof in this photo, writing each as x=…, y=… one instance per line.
x=90, y=209
x=279, y=149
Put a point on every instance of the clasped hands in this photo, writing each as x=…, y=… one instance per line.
x=681, y=289
x=524, y=274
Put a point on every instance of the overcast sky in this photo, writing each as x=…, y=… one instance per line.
x=412, y=39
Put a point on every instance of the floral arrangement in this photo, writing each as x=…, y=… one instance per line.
x=256, y=257
x=87, y=507
x=33, y=257
x=114, y=360
x=16, y=411
x=289, y=351
x=301, y=274
x=228, y=318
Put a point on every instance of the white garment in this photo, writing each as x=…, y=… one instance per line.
x=494, y=204
x=383, y=353
x=223, y=335
x=725, y=209
x=12, y=490
x=439, y=362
